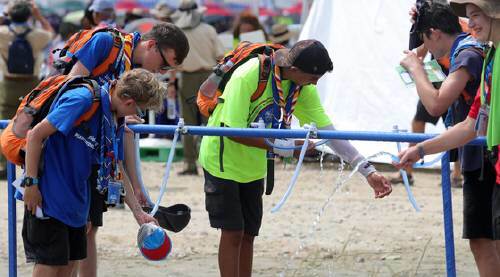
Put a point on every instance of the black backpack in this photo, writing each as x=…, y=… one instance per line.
x=20, y=59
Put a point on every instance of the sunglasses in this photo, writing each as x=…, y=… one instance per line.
x=166, y=66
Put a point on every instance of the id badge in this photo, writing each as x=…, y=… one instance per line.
x=481, y=126
x=114, y=192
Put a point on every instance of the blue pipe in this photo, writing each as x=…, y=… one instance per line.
x=448, y=216
x=296, y=133
x=11, y=176
x=280, y=133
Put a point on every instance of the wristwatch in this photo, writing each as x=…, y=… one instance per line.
x=29, y=181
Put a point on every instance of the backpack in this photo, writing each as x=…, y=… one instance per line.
x=34, y=108
x=122, y=48
x=20, y=59
x=241, y=54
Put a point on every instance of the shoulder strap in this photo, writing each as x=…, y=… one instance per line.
x=94, y=87
x=116, y=51
x=264, y=73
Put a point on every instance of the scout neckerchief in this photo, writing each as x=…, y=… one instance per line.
x=108, y=156
x=283, y=108
x=490, y=87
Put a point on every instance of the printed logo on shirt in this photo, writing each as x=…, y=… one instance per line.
x=89, y=141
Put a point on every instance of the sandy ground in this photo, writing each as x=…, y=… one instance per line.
x=356, y=235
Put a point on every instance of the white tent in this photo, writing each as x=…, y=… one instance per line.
x=365, y=39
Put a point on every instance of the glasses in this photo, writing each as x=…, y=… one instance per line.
x=166, y=66
x=139, y=111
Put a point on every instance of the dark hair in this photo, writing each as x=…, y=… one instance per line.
x=247, y=17
x=20, y=12
x=167, y=35
x=436, y=16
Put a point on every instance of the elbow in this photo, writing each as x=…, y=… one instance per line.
x=436, y=110
x=33, y=137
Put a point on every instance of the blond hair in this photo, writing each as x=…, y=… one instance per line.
x=142, y=86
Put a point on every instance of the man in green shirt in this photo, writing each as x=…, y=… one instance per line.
x=235, y=167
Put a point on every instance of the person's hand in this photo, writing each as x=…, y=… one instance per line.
x=141, y=197
x=379, y=184
x=32, y=198
x=133, y=119
x=407, y=157
x=35, y=11
x=310, y=147
x=142, y=217
x=411, y=62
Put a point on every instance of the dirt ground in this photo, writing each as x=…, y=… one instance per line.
x=356, y=235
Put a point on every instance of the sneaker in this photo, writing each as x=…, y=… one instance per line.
x=398, y=179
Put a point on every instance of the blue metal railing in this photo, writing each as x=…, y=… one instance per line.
x=273, y=133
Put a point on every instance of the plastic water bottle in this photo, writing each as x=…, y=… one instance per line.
x=171, y=109
x=209, y=87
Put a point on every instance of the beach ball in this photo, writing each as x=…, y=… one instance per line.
x=153, y=242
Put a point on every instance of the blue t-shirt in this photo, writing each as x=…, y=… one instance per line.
x=472, y=61
x=67, y=158
x=68, y=155
x=96, y=50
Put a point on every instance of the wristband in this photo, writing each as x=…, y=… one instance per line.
x=284, y=143
x=365, y=167
x=421, y=151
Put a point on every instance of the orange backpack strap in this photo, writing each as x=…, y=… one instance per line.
x=264, y=72
x=93, y=86
x=116, y=53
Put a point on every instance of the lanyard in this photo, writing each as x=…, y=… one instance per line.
x=488, y=72
x=282, y=108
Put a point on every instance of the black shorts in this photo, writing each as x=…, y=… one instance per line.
x=496, y=212
x=232, y=205
x=423, y=115
x=97, y=200
x=477, y=203
x=51, y=242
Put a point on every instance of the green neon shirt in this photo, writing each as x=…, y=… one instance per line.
x=238, y=162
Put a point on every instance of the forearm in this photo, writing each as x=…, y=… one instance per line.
x=33, y=152
x=253, y=142
x=45, y=24
x=130, y=160
x=427, y=93
x=347, y=152
x=454, y=137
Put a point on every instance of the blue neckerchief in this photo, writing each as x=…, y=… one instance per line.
x=462, y=42
x=277, y=123
x=108, y=145
x=488, y=72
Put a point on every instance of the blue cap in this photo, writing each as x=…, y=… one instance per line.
x=102, y=5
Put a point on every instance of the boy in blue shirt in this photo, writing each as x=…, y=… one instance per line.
x=54, y=243
x=159, y=50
